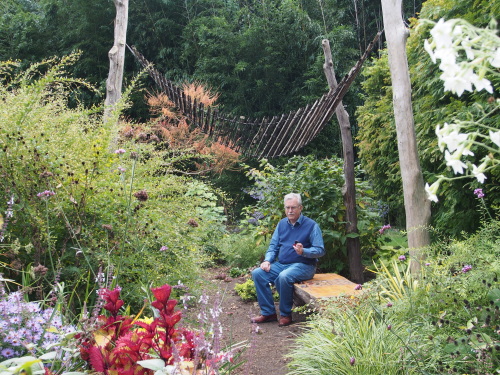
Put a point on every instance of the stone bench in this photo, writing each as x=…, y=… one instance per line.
x=323, y=285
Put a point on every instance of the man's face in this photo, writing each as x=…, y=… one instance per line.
x=292, y=210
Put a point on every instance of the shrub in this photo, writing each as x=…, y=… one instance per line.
x=246, y=290
x=432, y=106
x=453, y=305
x=243, y=250
x=320, y=183
x=81, y=201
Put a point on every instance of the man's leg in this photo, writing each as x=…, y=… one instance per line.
x=293, y=273
x=261, y=280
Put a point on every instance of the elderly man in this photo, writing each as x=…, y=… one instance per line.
x=295, y=247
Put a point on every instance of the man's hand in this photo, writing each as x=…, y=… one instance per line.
x=266, y=266
x=299, y=248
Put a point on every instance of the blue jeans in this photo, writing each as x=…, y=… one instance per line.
x=283, y=276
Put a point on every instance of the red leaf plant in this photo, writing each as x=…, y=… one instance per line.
x=119, y=342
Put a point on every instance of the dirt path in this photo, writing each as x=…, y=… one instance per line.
x=267, y=343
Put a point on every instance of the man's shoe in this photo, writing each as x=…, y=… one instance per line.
x=285, y=321
x=264, y=318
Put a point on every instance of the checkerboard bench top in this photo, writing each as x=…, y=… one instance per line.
x=324, y=285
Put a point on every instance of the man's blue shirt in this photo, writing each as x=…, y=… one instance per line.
x=305, y=231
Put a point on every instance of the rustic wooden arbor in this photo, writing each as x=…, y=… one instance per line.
x=258, y=138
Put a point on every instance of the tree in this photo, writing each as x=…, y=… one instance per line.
x=116, y=58
x=417, y=206
x=349, y=190
x=378, y=153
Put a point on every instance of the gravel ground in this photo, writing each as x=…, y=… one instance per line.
x=267, y=343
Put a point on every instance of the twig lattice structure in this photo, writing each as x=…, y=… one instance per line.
x=258, y=138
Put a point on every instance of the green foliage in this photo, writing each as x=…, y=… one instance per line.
x=352, y=340
x=246, y=290
x=242, y=250
x=443, y=320
x=320, y=184
x=432, y=106
x=110, y=210
x=377, y=137
x=390, y=245
x=453, y=303
x=237, y=272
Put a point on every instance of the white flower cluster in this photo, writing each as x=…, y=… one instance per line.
x=466, y=54
x=458, y=144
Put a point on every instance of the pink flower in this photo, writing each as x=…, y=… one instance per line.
x=352, y=361
x=389, y=304
x=120, y=151
x=384, y=228
x=466, y=268
x=402, y=258
x=358, y=287
x=45, y=194
x=479, y=193
x=164, y=248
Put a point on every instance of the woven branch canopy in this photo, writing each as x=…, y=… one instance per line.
x=259, y=138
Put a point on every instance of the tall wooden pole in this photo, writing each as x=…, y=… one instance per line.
x=116, y=59
x=349, y=189
x=417, y=206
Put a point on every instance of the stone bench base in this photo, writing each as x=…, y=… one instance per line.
x=323, y=285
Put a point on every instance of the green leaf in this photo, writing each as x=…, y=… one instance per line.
x=494, y=296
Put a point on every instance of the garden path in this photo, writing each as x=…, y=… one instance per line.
x=265, y=354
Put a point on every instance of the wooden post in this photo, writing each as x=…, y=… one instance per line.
x=417, y=206
x=349, y=189
x=116, y=59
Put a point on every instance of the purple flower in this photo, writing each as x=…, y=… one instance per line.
x=358, y=287
x=121, y=169
x=7, y=353
x=164, y=248
x=427, y=264
x=389, y=304
x=16, y=320
x=384, y=228
x=352, y=361
x=45, y=194
x=402, y=258
x=22, y=322
x=389, y=327
x=15, y=341
x=120, y=151
x=466, y=268
x=479, y=193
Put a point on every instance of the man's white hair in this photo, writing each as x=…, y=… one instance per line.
x=293, y=196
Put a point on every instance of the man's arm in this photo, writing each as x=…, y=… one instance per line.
x=273, y=249
x=317, y=248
